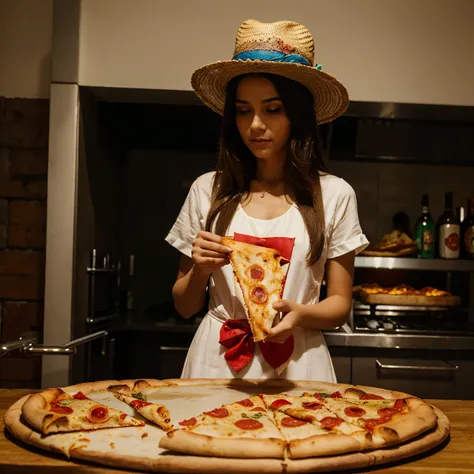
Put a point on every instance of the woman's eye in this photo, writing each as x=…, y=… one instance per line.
x=242, y=111
x=274, y=110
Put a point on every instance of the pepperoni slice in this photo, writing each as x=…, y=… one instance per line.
x=356, y=412
x=97, y=414
x=259, y=295
x=330, y=422
x=218, y=413
x=336, y=395
x=292, y=422
x=256, y=272
x=246, y=403
x=372, y=423
x=258, y=409
x=190, y=422
x=123, y=416
x=370, y=396
x=318, y=396
x=137, y=404
x=279, y=403
x=388, y=412
x=80, y=396
x=312, y=405
x=62, y=410
x=400, y=404
x=248, y=424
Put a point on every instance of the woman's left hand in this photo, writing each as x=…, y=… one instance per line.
x=292, y=315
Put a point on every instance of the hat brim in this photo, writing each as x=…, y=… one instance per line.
x=330, y=96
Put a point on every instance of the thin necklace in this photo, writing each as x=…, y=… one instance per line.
x=264, y=193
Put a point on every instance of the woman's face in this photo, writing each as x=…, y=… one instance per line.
x=261, y=119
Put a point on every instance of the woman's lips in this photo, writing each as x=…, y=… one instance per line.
x=260, y=142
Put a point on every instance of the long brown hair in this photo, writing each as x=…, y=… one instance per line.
x=236, y=165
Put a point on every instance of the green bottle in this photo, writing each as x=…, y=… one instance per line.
x=425, y=231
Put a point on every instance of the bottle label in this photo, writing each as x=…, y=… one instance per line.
x=469, y=241
x=449, y=241
x=427, y=241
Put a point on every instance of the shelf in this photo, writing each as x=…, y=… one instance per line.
x=363, y=309
x=464, y=341
x=397, y=263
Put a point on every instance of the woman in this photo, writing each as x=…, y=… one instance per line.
x=270, y=181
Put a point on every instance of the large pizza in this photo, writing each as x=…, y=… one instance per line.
x=182, y=425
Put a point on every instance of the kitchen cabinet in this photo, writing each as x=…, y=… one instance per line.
x=422, y=376
x=342, y=363
x=171, y=361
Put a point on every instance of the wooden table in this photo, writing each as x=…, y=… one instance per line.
x=454, y=456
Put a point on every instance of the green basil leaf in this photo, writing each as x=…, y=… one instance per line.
x=140, y=396
x=244, y=415
x=65, y=402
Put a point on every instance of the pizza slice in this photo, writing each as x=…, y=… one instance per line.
x=153, y=412
x=388, y=421
x=242, y=429
x=430, y=291
x=258, y=271
x=54, y=411
x=300, y=435
x=343, y=437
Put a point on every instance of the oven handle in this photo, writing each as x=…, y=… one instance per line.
x=447, y=368
x=173, y=348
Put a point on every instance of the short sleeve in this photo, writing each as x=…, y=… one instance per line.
x=190, y=220
x=346, y=235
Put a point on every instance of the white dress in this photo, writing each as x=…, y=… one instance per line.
x=310, y=359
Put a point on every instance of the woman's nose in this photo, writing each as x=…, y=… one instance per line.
x=257, y=123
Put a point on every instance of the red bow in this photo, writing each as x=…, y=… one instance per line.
x=237, y=336
x=283, y=244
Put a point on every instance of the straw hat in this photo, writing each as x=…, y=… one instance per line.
x=285, y=48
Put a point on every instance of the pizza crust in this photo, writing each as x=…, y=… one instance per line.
x=195, y=443
x=326, y=445
x=101, y=385
x=13, y=422
x=420, y=417
x=35, y=413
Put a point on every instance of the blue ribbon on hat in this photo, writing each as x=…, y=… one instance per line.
x=274, y=56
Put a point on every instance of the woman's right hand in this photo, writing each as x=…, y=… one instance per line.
x=208, y=253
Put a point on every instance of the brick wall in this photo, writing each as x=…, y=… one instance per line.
x=24, y=127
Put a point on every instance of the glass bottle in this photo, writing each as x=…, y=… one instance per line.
x=467, y=231
x=449, y=231
x=425, y=230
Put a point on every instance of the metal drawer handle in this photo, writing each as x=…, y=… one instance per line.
x=449, y=368
x=173, y=348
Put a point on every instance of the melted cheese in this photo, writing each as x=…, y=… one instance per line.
x=297, y=432
x=225, y=427
x=297, y=410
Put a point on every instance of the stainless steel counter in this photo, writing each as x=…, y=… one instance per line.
x=399, y=341
x=333, y=338
x=398, y=263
